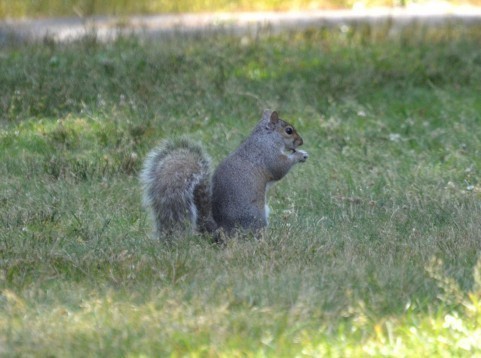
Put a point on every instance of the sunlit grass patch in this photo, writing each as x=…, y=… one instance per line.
x=109, y=323
x=22, y=8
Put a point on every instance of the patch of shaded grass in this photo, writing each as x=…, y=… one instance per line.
x=391, y=125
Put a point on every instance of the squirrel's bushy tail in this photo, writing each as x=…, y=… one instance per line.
x=177, y=189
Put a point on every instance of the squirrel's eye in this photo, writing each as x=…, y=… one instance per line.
x=289, y=130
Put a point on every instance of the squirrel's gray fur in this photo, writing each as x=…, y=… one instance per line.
x=177, y=184
x=262, y=159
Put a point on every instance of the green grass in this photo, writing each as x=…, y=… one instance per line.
x=373, y=247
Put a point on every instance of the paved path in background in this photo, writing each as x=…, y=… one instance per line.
x=106, y=28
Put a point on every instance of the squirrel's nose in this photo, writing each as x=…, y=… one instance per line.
x=299, y=141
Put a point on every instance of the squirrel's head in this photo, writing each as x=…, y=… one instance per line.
x=287, y=131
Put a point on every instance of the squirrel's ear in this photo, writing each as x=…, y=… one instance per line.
x=274, y=117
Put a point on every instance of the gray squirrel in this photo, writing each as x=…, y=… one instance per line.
x=180, y=194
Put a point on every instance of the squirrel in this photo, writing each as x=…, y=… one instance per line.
x=179, y=191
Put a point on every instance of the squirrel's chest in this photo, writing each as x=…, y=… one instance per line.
x=269, y=184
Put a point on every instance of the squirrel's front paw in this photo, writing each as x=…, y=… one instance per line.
x=302, y=155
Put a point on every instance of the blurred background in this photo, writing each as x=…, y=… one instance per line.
x=55, y=8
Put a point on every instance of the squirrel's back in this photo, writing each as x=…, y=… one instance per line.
x=176, y=186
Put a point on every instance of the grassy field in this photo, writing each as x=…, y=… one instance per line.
x=374, y=243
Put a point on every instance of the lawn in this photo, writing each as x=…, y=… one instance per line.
x=373, y=245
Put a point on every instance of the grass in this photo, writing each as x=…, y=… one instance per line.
x=373, y=247
x=55, y=8
x=29, y=8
